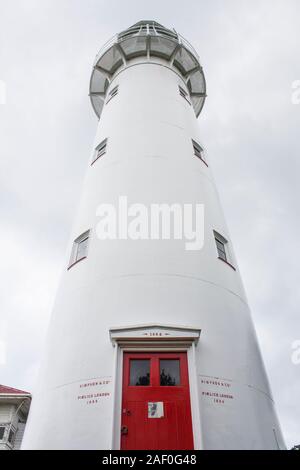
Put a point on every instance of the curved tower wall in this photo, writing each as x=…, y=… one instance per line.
x=149, y=158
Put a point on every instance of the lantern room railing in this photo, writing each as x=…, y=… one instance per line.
x=147, y=39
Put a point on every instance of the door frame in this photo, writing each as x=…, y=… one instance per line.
x=154, y=338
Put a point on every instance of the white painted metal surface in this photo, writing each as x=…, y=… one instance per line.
x=149, y=158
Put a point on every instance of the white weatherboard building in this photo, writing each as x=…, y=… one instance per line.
x=151, y=345
x=14, y=408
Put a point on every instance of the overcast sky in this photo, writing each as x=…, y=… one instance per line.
x=250, y=53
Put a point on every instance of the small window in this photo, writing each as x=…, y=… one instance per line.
x=2, y=431
x=11, y=436
x=223, y=249
x=139, y=372
x=80, y=248
x=112, y=93
x=184, y=94
x=100, y=150
x=169, y=372
x=198, y=151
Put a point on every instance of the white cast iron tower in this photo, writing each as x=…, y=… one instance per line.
x=147, y=338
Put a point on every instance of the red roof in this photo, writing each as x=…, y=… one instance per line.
x=12, y=391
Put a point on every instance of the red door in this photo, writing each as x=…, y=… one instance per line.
x=156, y=410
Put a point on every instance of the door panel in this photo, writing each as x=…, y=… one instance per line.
x=160, y=379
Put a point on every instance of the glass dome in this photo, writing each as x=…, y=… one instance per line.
x=148, y=39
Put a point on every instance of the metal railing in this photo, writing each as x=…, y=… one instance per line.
x=139, y=32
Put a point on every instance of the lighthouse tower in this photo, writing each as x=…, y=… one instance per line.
x=151, y=343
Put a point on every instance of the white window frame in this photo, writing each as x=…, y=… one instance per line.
x=198, y=151
x=100, y=150
x=74, y=255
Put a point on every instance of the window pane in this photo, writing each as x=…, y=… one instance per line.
x=101, y=147
x=221, y=249
x=82, y=248
x=219, y=244
x=222, y=255
x=139, y=372
x=114, y=91
x=184, y=94
x=100, y=150
x=197, y=149
x=2, y=430
x=169, y=372
x=11, y=436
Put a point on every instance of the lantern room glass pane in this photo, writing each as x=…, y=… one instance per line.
x=184, y=60
x=197, y=84
x=169, y=370
x=162, y=46
x=98, y=82
x=139, y=372
x=134, y=46
x=111, y=59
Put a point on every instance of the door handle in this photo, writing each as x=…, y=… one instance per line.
x=124, y=430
